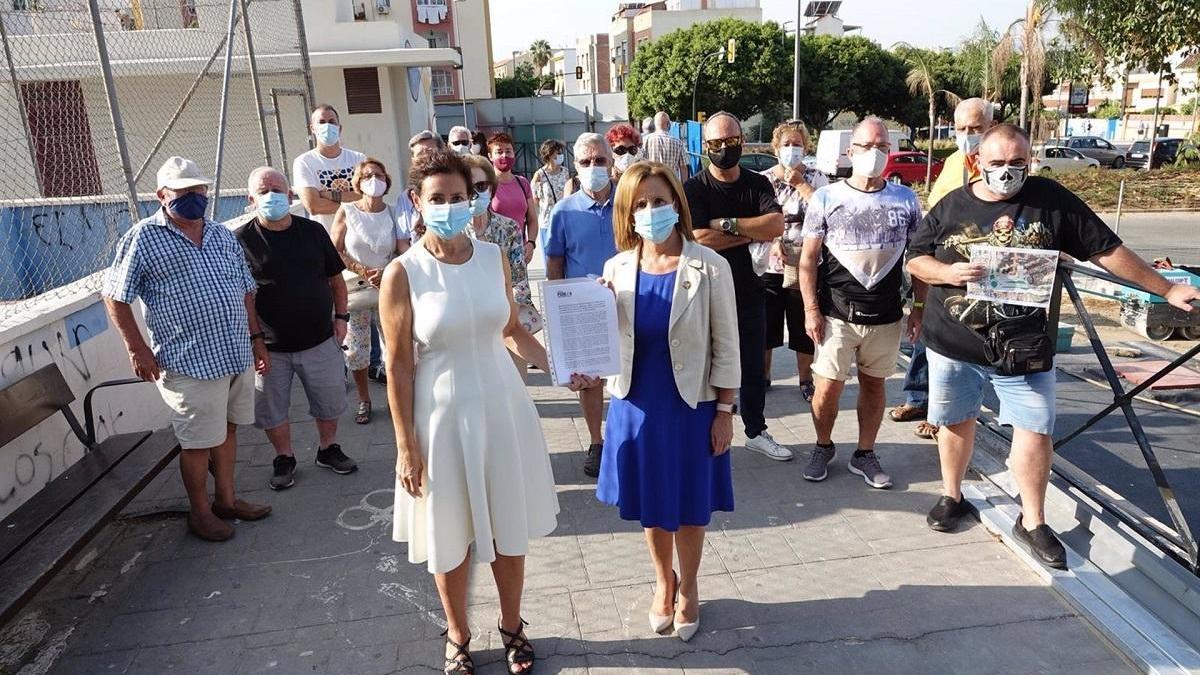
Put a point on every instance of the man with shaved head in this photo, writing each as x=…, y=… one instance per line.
x=851, y=273
x=972, y=117
x=302, y=310
x=1009, y=208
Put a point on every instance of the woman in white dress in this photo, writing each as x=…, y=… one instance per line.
x=472, y=469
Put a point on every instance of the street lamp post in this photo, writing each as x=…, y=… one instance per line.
x=796, y=64
x=462, y=66
x=696, y=81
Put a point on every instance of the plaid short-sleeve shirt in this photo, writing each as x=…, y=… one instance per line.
x=194, y=295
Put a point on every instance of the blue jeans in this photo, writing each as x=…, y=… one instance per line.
x=376, y=351
x=956, y=395
x=916, y=380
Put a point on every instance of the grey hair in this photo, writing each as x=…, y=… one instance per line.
x=588, y=138
x=252, y=181
x=870, y=119
x=648, y=125
x=457, y=128
x=984, y=105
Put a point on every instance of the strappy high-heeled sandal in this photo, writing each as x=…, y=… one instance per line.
x=517, y=649
x=454, y=664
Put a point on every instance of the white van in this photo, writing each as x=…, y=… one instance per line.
x=833, y=144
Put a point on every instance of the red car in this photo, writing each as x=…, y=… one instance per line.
x=909, y=168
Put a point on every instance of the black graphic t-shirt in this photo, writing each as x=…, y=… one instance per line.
x=749, y=196
x=1043, y=215
x=292, y=268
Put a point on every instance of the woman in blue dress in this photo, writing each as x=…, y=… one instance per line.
x=665, y=461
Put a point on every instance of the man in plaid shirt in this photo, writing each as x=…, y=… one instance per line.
x=664, y=148
x=205, y=341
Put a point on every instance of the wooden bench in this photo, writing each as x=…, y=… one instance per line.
x=45, y=532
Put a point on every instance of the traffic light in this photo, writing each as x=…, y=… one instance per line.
x=579, y=72
x=701, y=116
x=731, y=51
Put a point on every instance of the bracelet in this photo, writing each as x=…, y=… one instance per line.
x=918, y=305
x=261, y=335
x=344, y=317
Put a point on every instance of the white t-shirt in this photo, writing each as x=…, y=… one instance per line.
x=314, y=170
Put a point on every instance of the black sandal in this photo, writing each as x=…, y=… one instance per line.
x=517, y=649
x=455, y=665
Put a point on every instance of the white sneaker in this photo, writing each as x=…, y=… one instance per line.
x=764, y=444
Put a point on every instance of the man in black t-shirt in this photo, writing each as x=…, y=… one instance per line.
x=1005, y=209
x=302, y=308
x=731, y=208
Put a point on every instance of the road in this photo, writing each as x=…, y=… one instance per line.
x=1175, y=235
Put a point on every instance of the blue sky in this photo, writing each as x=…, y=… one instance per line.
x=925, y=23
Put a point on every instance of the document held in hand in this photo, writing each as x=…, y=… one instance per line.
x=581, y=329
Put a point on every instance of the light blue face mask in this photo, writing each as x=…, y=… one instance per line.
x=655, y=224
x=791, y=156
x=328, y=133
x=446, y=221
x=479, y=205
x=593, y=178
x=273, y=205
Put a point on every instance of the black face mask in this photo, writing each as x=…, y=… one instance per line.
x=726, y=158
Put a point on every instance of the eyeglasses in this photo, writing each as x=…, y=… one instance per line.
x=482, y=186
x=717, y=144
x=619, y=150
x=873, y=146
x=593, y=161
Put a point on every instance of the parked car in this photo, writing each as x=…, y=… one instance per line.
x=1054, y=159
x=757, y=161
x=1093, y=146
x=1165, y=150
x=909, y=167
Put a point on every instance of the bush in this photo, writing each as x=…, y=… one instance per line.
x=1189, y=107
x=1188, y=155
x=1164, y=110
x=1109, y=110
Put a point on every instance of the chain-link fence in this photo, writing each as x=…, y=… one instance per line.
x=96, y=95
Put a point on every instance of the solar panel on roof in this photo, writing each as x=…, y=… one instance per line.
x=820, y=8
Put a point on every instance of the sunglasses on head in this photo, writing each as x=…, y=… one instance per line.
x=621, y=150
x=717, y=144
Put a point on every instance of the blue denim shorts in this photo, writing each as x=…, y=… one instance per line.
x=956, y=394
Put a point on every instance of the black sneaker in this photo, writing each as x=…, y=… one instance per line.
x=378, y=373
x=591, y=463
x=1041, y=544
x=284, y=474
x=944, y=515
x=335, y=460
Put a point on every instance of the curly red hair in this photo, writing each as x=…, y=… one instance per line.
x=622, y=132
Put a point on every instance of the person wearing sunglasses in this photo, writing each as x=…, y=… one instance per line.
x=851, y=275
x=459, y=140
x=626, y=144
x=731, y=208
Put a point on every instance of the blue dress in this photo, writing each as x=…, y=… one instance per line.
x=658, y=466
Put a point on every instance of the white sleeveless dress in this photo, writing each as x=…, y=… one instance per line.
x=487, y=469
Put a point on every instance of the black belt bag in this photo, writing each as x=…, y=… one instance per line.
x=877, y=312
x=1019, y=346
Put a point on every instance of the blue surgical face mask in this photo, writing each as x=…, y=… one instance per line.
x=328, y=133
x=272, y=206
x=791, y=156
x=446, y=221
x=479, y=205
x=593, y=178
x=655, y=224
x=189, y=206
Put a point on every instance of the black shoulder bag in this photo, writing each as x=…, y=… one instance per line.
x=1019, y=345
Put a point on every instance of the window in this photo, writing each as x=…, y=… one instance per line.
x=442, y=84
x=362, y=91
x=438, y=38
x=62, y=138
x=1100, y=143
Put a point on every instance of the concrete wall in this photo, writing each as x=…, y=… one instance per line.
x=74, y=334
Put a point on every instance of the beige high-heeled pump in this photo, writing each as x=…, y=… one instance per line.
x=661, y=622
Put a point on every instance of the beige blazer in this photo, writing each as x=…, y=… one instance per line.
x=703, y=326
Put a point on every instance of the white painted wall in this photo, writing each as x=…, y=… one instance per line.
x=41, y=454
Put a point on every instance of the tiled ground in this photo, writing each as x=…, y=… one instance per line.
x=830, y=577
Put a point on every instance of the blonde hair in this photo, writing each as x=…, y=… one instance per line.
x=790, y=127
x=627, y=189
x=485, y=165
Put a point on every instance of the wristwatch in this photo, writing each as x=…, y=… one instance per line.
x=729, y=226
x=344, y=317
x=261, y=335
x=730, y=408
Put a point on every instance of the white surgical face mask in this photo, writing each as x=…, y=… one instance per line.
x=373, y=187
x=868, y=163
x=475, y=148
x=968, y=144
x=593, y=178
x=557, y=159
x=461, y=149
x=625, y=161
x=791, y=156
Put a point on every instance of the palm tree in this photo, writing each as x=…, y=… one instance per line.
x=1027, y=36
x=540, y=52
x=922, y=81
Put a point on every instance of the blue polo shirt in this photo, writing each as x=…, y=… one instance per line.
x=581, y=232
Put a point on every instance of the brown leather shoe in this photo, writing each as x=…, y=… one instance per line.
x=242, y=510
x=209, y=528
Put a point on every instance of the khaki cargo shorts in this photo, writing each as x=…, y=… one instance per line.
x=874, y=348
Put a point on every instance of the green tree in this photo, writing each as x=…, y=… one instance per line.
x=1109, y=110
x=522, y=84
x=1134, y=32
x=541, y=54
x=923, y=79
x=855, y=75
x=1026, y=37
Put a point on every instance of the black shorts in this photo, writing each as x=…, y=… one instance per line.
x=785, y=306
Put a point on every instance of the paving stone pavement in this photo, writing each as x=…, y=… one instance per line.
x=802, y=577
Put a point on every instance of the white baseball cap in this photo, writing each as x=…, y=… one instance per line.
x=178, y=173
